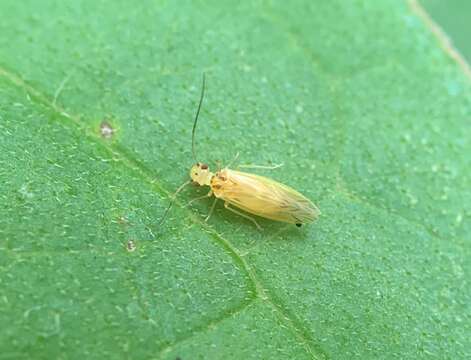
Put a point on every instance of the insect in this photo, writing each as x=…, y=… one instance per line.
x=250, y=193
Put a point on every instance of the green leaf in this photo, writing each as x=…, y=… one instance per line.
x=453, y=16
x=359, y=101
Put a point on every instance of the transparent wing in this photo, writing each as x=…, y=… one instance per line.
x=267, y=198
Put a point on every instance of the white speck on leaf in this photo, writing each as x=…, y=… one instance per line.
x=25, y=192
x=106, y=130
x=131, y=246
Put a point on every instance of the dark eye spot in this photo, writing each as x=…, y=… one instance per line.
x=204, y=166
x=196, y=174
x=299, y=225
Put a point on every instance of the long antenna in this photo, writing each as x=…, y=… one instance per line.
x=196, y=121
x=172, y=201
x=164, y=217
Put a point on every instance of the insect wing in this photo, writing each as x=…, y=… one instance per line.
x=267, y=198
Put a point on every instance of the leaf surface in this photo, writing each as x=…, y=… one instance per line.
x=368, y=114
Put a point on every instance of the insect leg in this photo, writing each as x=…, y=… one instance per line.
x=226, y=205
x=212, y=209
x=233, y=161
x=201, y=197
x=266, y=167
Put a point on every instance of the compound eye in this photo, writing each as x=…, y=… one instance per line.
x=204, y=166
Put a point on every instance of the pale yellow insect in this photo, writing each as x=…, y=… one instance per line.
x=251, y=193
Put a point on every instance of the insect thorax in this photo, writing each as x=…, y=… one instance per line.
x=218, y=181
